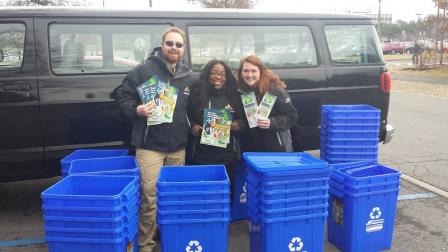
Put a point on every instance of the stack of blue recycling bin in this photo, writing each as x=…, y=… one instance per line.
x=349, y=133
x=193, y=208
x=287, y=201
x=362, y=206
x=91, y=213
x=89, y=154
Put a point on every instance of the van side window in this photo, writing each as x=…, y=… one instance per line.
x=277, y=46
x=12, y=41
x=353, y=44
x=101, y=48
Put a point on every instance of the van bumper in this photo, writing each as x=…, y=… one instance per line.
x=389, y=133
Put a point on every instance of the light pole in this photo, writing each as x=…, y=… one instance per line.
x=150, y=3
x=418, y=24
x=379, y=21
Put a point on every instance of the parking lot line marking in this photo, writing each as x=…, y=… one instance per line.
x=424, y=185
x=416, y=196
x=22, y=242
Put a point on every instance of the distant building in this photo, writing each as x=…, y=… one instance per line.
x=385, y=18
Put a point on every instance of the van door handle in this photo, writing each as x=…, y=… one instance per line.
x=21, y=87
x=18, y=87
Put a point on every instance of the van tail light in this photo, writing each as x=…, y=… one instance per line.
x=385, y=82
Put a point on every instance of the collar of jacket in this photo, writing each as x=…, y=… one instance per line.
x=182, y=69
x=213, y=91
x=243, y=88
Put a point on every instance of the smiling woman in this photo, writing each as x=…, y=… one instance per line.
x=214, y=100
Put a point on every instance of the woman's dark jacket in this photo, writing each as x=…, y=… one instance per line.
x=166, y=137
x=283, y=117
x=219, y=99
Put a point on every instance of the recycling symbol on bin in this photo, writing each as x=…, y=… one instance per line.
x=375, y=213
x=296, y=244
x=193, y=246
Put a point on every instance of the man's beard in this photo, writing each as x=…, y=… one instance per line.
x=172, y=58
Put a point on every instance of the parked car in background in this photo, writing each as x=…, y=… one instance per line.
x=408, y=46
x=392, y=48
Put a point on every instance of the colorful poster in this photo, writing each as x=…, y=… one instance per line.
x=216, y=127
x=168, y=100
x=250, y=108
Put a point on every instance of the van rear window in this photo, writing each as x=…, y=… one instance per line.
x=101, y=48
x=353, y=44
x=277, y=46
x=12, y=41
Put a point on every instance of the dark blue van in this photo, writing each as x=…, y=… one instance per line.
x=58, y=68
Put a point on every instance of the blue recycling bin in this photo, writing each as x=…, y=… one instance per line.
x=193, y=208
x=239, y=202
x=121, y=165
x=298, y=233
x=88, y=154
x=362, y=206
x=349, y=133
x=287, y=205
x=91, y=213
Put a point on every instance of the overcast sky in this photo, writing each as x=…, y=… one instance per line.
x=400, y=9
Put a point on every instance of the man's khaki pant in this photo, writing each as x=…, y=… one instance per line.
x=150, y=163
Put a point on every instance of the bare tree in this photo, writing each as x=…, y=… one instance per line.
x=441, y=5
x=236, y=4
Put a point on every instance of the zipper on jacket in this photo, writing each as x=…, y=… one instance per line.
x=146, y=134
x=194, y=147
x=279, y=139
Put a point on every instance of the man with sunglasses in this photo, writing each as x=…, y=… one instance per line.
x=156, y=145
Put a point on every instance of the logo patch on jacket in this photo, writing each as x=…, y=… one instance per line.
x=187, y=91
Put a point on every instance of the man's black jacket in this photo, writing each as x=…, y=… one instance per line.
x=166, y=137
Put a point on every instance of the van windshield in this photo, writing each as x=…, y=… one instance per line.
x=353, y=44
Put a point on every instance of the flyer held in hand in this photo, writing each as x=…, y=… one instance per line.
x=162, y=95
x=254, y=112
x=216, y=127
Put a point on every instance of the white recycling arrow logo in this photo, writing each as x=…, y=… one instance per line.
x=296, y=244
x=245, y=187
x=375, y=213
x=193, y=246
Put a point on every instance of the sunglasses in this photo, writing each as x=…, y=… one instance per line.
x=172, y=43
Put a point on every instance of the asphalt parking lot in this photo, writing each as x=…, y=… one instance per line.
x=421, y=220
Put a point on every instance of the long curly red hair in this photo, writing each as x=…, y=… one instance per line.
x=267, y=79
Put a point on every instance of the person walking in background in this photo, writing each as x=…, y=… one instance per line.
x=275, y=114
x=416, y=53
x=162, y=144
x=215, y=89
